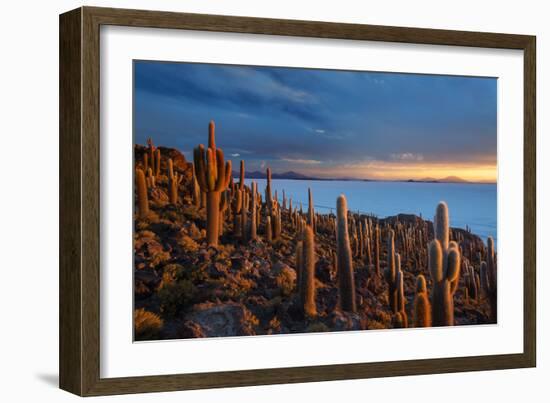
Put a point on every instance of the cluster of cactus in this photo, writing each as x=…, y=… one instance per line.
x=358, y=239
x=488, y=276
x=151, y=158
x=346, y=281
x=444, y=266
x=213, y=175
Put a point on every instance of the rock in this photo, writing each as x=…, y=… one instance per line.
x=340, y=321
x=221, y=319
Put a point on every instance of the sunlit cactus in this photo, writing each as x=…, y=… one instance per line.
x=196, y=190
x=253, y=217
x=268, y=234
x=377, y=250
x=422, y=311
x=245, y=231
x=145, y=162
x=346, y=281
x=441, y=225
x=151, y=151
x=311, y=211
x=390, y=273
x=443, y=274
x=444, y=265
x=173, y=183
x=307, y=275
x=150, y=178
x=157, y=163
x=268, y=196
x=488, y=276
x=236, y=207
x=141, y=187
x=241, y=175
x=213, y=175
x=398, y=320
x=400, y=291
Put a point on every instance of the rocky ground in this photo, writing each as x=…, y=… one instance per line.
x=184, y=289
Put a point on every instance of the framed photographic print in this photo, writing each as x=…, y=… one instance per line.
x=251, y=201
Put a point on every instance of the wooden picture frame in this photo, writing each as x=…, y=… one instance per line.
x=80, y=184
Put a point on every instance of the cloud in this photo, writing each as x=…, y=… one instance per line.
x=234, y=155
x=320, y=131
x=301, y=161
x=406, y=157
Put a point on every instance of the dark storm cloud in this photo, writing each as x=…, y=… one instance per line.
x=291, y=118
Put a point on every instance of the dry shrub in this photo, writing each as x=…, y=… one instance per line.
x=147, y=325
x=176, y=297
x=188, y=244
x=285, y=281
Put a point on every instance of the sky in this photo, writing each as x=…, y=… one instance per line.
x=323, y=123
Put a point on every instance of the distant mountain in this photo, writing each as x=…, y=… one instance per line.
x=453, y=179
x=274, y=175
x=448, y=179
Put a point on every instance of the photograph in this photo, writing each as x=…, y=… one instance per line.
x=274, y=200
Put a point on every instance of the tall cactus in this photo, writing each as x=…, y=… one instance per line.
x=488, y=276
x=268, y=196
x=422, y=311
x=174, y=179
x=157, y=163
x=400, y=291
x=346, y=281
x=307, y=274
x=241, y=176
x=311, y=211
x=213, y=175
x=236, y=207
x=390, y=273
x=441, y=225
x=377, y=250
x=444, y=265
x=268, y=234
x=141, y=187
x=245, y=232
x=253, y=217
x=196, y=190
x=151, y=151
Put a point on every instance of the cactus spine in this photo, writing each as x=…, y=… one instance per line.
x=143, y=201
x=213, y=175
x=307, y=274
x=346, y=281
x=422, y=315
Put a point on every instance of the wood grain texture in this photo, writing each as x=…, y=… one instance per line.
x=80, y=195
x=70, y=275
